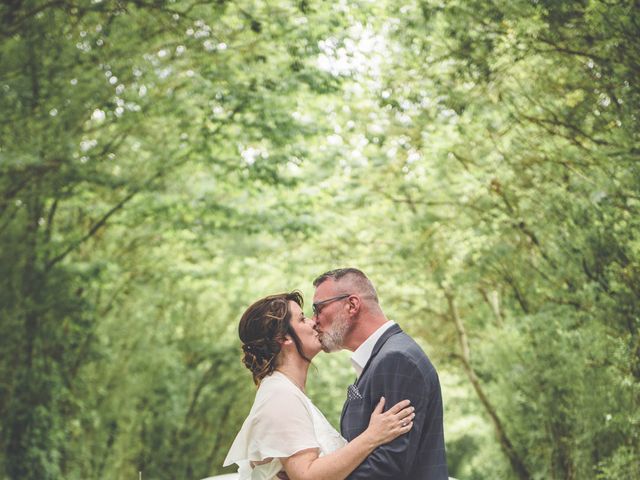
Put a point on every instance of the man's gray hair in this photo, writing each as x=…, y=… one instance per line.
x=356, y=277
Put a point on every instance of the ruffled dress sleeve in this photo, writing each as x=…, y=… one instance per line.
x=279, y=425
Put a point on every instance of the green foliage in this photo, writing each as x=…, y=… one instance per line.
x=163, y=164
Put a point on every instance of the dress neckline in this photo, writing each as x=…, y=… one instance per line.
x=290, y=380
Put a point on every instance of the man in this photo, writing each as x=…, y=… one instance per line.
x=388, y=363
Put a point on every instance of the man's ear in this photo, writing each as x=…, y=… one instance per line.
x=353, y=304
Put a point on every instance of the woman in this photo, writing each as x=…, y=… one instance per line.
x=285, y=434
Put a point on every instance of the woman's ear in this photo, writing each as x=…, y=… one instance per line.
x=286, y=340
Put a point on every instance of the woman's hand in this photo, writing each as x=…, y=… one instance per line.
x=384, y=427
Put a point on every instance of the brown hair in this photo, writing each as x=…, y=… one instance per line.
x=262, y=326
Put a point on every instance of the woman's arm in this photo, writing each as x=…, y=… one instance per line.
x=383, y=427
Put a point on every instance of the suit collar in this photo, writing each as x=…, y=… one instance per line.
x=363, y=353
x=390, y=332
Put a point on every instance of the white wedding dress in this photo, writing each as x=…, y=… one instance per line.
x=282, y=421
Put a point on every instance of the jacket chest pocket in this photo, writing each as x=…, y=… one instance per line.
x=353, y=393
x=356, y=413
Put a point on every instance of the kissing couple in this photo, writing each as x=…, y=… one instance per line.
x=391, y=423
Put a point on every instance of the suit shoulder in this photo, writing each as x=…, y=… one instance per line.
x=403, y=349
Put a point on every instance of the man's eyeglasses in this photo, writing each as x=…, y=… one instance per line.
x=317, y=306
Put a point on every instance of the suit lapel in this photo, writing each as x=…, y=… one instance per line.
x=344, y=407
x=390, y=332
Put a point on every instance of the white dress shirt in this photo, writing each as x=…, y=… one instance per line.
x=362, y=354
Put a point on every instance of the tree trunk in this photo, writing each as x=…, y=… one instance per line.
x=516, y=462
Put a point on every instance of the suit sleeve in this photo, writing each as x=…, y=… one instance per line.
x=396, y=378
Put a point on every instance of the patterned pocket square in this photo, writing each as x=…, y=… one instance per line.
x=353, y=393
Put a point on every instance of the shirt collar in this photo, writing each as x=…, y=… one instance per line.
x=362, y=354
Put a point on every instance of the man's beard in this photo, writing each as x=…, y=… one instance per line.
x=333, y=339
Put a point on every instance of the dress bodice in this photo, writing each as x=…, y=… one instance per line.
x=282, y=422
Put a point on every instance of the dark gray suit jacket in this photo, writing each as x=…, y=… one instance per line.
x=398, y=369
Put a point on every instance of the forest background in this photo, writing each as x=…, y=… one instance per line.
x=165, y=163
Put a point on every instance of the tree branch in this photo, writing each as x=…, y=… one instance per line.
x=494, y=304
x=96, y=226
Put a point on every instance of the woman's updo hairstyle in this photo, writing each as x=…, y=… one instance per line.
x=262, y=327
